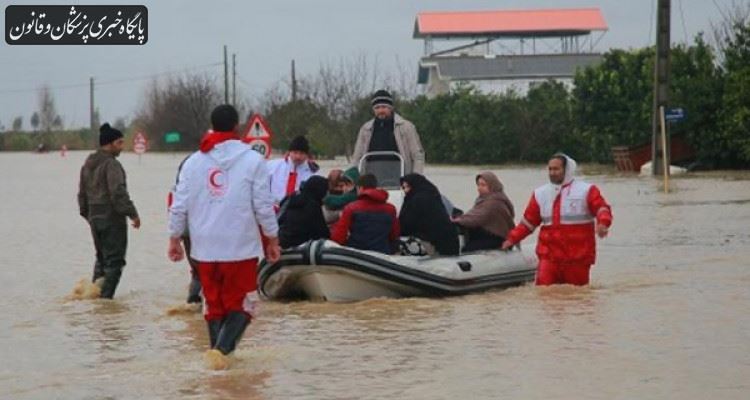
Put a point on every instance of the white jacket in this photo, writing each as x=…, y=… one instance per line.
x=279, y=170
x=222, y=196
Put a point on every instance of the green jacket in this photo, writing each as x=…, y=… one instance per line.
x=338, y=201
x=102, y=191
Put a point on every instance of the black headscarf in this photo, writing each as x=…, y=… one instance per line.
x=420, y=185
x=423, y=215
x=301, y=216
x=315, y=187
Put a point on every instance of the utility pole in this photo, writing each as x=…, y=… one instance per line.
x=226, y=76
x=660, y=153
x=92, y=121
x=294, y=83
x=234, y=79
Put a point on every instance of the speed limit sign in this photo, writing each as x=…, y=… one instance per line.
x=261, y=146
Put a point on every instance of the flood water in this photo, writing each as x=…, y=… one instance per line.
x=667, y=315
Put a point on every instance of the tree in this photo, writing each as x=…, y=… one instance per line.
x=304, y=117
x=120, y=124
x=734, y=120
x=612, y=103
x=17, y=124
x=47, y=112
x=697, y=87
x=734, y=14
x=546, y=124
x=57, y=123
x=34, y=120
x=181, y=104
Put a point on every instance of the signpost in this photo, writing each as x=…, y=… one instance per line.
x=258, y=135
x=140, y=145
x=671, y=115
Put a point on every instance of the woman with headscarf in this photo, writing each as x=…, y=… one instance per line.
x=491, y=218
x=423, y=215
x=301, y=214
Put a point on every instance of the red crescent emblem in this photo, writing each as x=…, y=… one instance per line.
x=212, y=179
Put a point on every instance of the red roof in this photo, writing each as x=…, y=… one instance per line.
x=509, y=22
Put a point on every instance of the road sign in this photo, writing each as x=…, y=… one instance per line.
x=256, y=128
x=140, y=143
x=674, y=114
x=261, y=146
x=172, y=137
x=139, y=148
x=258, y=135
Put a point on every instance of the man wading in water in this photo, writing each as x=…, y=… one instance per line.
x=221, y=197
x=570, y=211
x=104, y=201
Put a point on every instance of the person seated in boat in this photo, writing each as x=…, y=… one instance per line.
x=489, y=221
x=334, y=176
x=301, y=214
x=369, y=223
x=345, y=193
x=424, y=215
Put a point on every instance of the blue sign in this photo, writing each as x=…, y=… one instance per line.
x=674, y=114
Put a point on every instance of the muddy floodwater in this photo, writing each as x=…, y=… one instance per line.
x=667, y=315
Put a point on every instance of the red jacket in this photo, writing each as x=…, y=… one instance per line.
x=369, y=223
x=567, y=233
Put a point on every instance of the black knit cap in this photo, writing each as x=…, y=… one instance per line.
x=107, y=134
x=382, y=96
x=299, y=143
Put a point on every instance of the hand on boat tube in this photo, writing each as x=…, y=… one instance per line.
x=506, y=245
x=175, y=251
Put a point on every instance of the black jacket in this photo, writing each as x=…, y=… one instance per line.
x=301, y=216
x=423, y=215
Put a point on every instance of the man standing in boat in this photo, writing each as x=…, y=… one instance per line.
x=570, y=212
x=389, y=131
x=104, y=201
x=222, y=196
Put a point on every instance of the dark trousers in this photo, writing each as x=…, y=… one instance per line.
x=194, y=290
x=480, y=239
x=111, y=241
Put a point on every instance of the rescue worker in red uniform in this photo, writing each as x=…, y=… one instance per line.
x=569, y=211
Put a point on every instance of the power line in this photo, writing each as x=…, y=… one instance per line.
x=682, y=16
x=248, y=84
x=144, y=77
x=114, y=81
x=720, y=11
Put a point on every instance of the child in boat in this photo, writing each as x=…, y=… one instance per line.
x=370, y=222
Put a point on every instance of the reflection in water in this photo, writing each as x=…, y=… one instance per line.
x=235, y=385
x=668, y=303
x=105, y=329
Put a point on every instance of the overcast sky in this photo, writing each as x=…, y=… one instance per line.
x=266, y=35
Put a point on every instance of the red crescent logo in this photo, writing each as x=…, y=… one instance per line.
x=212, y=179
